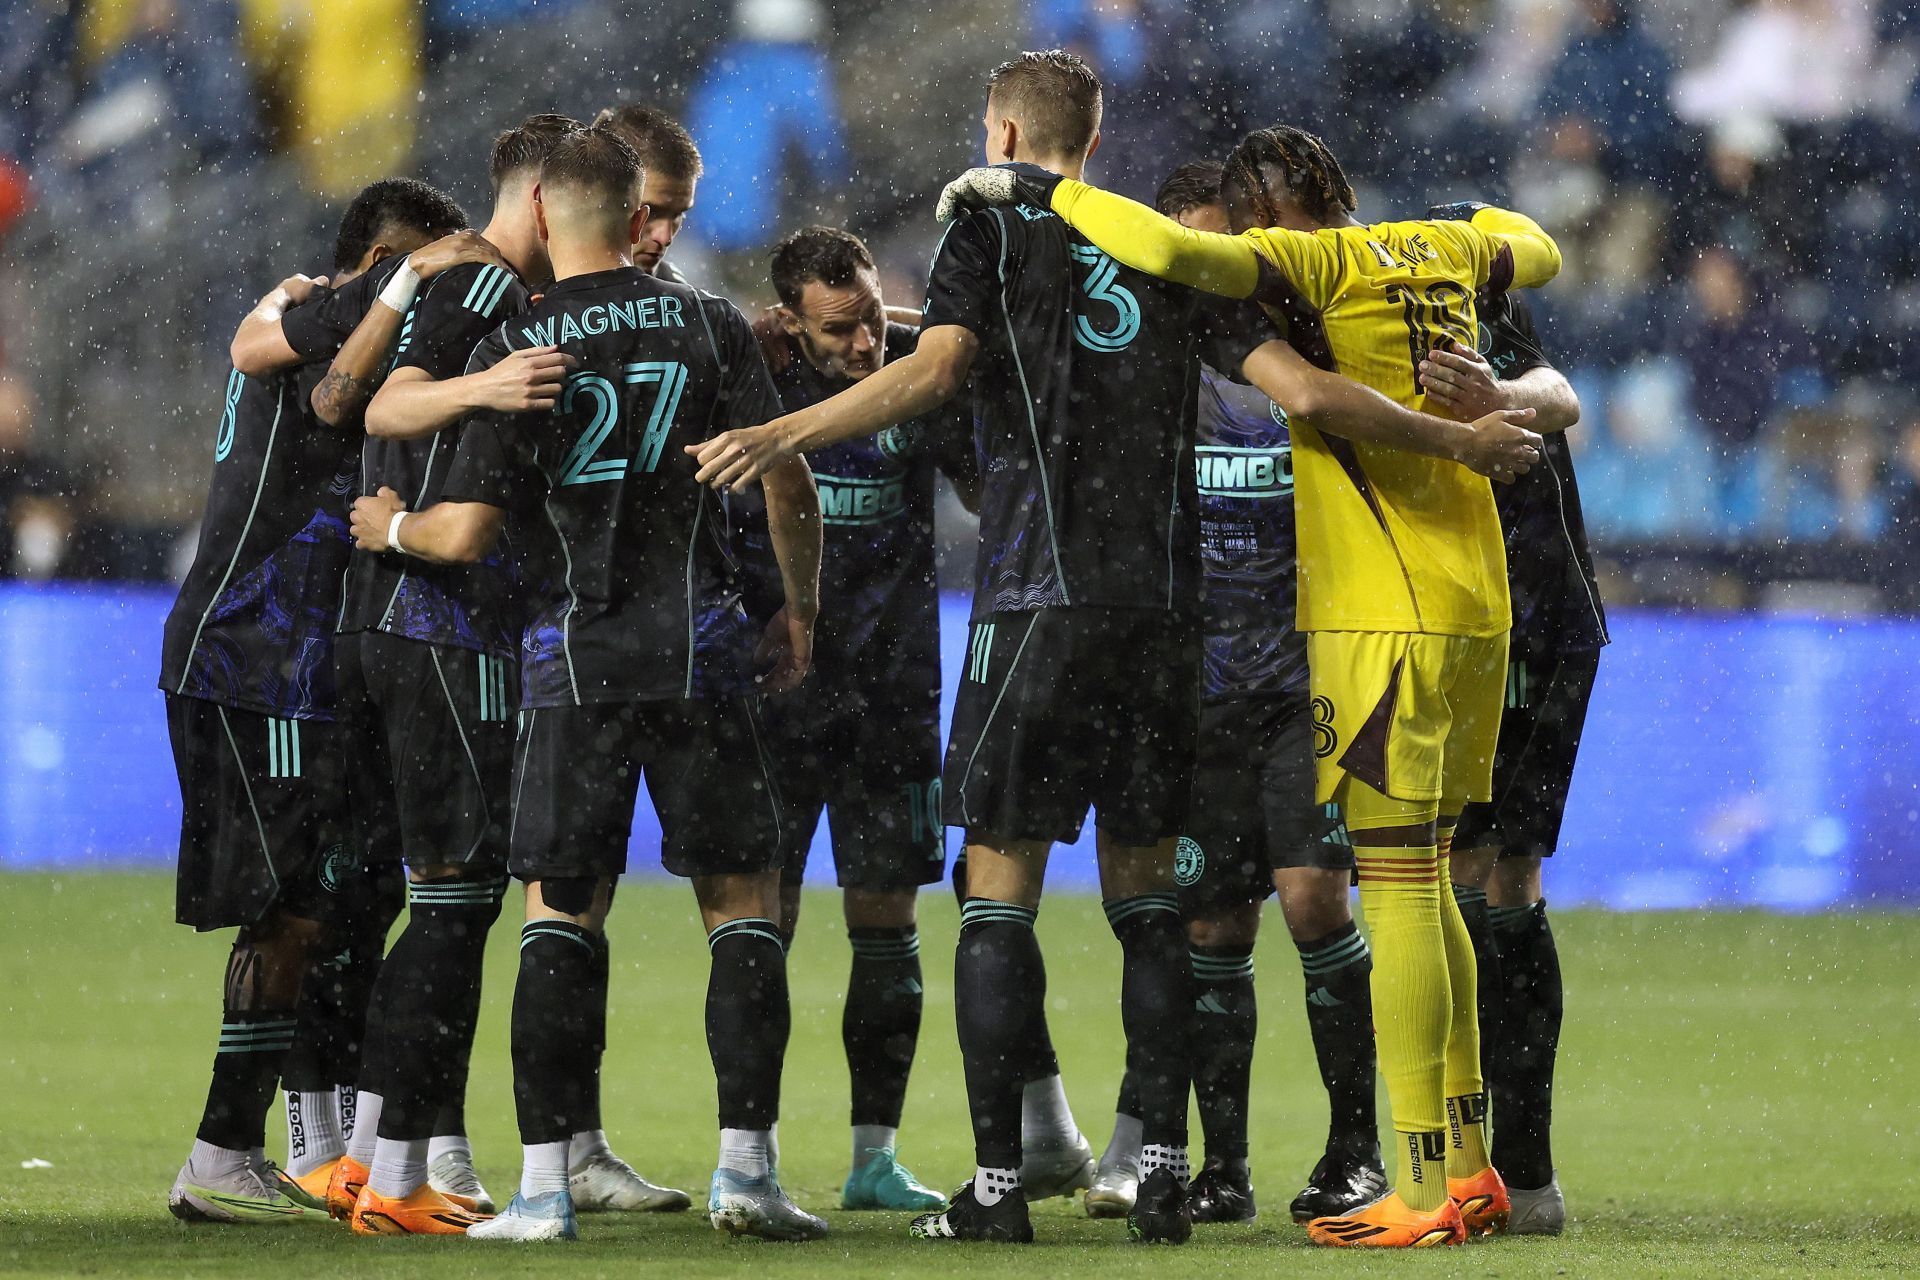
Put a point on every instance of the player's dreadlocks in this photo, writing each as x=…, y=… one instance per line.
x=1299, y=160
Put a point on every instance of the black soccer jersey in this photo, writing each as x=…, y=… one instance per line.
x=466, y=606
x=252, y=627
x=1084, y=395
x=633, y=589
x=879, y=610
x=1556, y=599
x=1244, y=464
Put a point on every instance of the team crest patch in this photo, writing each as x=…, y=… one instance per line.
x=335, y=863
x=1189, y=861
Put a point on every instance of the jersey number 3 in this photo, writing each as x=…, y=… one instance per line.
x=1102, y=285
x=590, y=392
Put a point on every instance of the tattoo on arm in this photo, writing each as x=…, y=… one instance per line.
x=341, y=397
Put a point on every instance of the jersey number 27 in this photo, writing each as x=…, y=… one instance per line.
x=591, y=393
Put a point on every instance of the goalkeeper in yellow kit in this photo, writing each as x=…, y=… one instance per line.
x=1402, y=591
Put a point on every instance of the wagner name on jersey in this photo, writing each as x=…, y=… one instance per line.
x=634, y=591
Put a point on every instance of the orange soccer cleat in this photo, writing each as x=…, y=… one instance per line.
x=343, y=1189
x=1389, y=1224
x=424, y=1213
x=1483, y=1202
x=309, y=1191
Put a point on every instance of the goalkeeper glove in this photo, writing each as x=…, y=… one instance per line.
x=1002, y=184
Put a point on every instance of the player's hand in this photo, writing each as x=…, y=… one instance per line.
x=999, y=184
x=371, y=516
x=460, y=248
x=525, y=382
x=735, y=459
x=1500, y=447
x=1461, y=381
x=298, y=288
x=770, y=330
x=785, y=653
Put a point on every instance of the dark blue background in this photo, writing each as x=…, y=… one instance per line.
x=1729, y=760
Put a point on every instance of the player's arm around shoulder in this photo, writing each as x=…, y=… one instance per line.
x=260, y=347
x=445, y=533
x=413, y=403
x=1142, y=238
x=1531, y=255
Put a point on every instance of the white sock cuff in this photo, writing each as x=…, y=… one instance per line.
x=543, y=1168
x=748, y=1152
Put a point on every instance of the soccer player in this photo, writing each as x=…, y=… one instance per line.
x=1559, y=628
x=637, y=661
x=670, y=163
x=1403, y=595
x=1255, y=827
x=861, y=738
x=264, y=843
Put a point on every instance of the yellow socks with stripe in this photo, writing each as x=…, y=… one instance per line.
x=1401, y=889
x=1466, y=1093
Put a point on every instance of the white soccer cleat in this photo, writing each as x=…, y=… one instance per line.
x=452, y=1175
x=1115, y=1188
x=1051, y=1167
x=608, y=1184
x=243, y=1195
x=1542, y=1212
x=545, y=1217
x=742, y=1206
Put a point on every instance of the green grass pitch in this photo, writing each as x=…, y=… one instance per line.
x=1737, y=1097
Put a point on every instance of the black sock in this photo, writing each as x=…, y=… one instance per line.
x=1156, y=1008
x=1521, y=1081
x=1128, y=1103
x=256, y=1031
x=597, y=1032
x=329, y=1043
x=1338, y=969
x=552, y=1037
x=999, y=995
x=748, y=1019
x=1225, y=1019
x=881, y=1025
x=1486, y=965
x=429, y=995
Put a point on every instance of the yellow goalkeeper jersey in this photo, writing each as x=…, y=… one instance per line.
x=1388, y=540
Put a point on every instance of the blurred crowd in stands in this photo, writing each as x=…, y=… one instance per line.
x=1734, y=185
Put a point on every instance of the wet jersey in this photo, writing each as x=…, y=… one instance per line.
x=879, y=610
x=1244, y=470
x=465, y=606
x=1556, y=598
x=1084, y=394
x=252, y=627
x=633, y=591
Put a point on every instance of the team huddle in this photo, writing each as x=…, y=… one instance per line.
x=504, y=522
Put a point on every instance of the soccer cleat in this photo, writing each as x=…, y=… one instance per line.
x=548, y=1216
x=241, y=1196
x=1115, y=1187
x=423, y=1212
x=1005, y=1221
x=1482, y=1201
x=452, y=1176
x=309, y=1190
x=343, y=1189
x=1051, y=1168
x=884, y=1183
x=742, y=1206
x=1389, y=1224
x=1342, y=1182
x=1542, y=1212
x=1222, y=1193
x=608, y=1184
x=1161, y=1212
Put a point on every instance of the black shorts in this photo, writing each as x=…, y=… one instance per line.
x=264, y=821
x=577, y=771
x=1533, y=764
x=871, y=759
x=1253, y=809
x=1065, y=709
x=428, y=735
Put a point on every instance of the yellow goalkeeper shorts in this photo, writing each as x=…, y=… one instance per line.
x=1414, y=716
